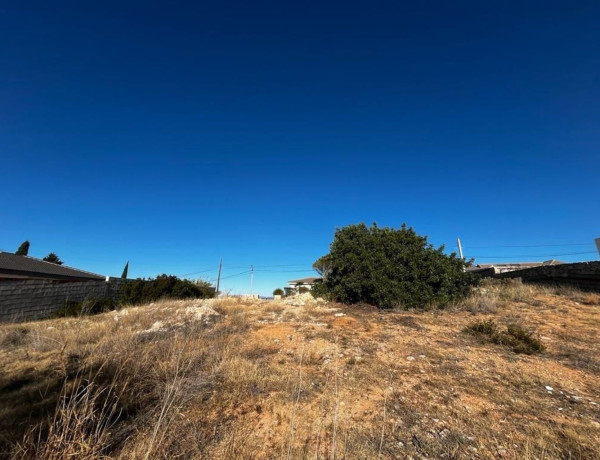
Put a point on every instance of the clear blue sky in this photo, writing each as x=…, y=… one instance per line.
x=171, y=134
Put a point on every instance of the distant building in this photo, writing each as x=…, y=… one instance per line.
x=503, y=267
x=304, y=282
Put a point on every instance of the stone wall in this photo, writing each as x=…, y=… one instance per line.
x=585, y=275
x=23, y=300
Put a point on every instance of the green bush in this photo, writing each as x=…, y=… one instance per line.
x=91, y=306
x=147, y=290
x=390, y=268
x=515, y=337
x=278, y=291
x=483, y=327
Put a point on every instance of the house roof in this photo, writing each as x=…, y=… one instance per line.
x=30, y=267
x=309, y=280
x=511, y=266
x=521, y=264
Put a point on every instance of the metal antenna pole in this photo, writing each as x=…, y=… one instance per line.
x=459, y=248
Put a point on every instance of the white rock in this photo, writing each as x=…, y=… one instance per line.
x=156, y=326
x=410, y=358
x=549, y=388
x=202, y=312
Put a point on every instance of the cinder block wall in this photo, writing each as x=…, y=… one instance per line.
x=24, y=300
x=585, y=275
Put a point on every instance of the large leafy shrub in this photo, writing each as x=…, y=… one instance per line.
x=389, y=268
x=147, y=290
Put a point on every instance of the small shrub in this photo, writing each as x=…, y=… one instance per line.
x=278, y=291
x=515, y=337
x=483, y=327
x=91, y=306
x=523, y=341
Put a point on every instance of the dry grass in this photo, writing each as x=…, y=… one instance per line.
x=270, y=380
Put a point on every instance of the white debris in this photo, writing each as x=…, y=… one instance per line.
x=157, y=326
x=202, y=312
x=549, y=388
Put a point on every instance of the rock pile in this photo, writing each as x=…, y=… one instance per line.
x=299, y=300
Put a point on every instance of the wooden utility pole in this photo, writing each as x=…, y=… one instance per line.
x=598, y=245
x=251, y=276
x=219, y=277
x=459, y=248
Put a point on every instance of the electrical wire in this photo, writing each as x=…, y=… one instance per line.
x=527, y=246
x=533, y=255
x=237, y=274
x=201, y=271
x=286, y=271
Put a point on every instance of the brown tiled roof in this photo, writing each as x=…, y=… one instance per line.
x=30, y=267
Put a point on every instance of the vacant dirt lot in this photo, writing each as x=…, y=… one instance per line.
x=234, y=379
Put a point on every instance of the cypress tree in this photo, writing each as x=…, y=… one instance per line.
x=23, y=249
x=125, y=270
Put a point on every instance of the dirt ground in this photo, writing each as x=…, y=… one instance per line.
x=305, y=379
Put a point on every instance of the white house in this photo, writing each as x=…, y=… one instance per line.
x=304, y=282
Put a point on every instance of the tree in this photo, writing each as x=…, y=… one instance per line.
x=53, y=259
x=23, y=249
x=389, y=268
x=278, y=291
x=125, y=270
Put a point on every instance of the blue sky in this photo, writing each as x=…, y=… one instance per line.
x=177, y=133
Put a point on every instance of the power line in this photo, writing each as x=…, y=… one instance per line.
x=201, y=271
x=528, y=246
x=281, y=265
x=233, y=276
x=266, y=266
x=286, y=271
x=534, y=255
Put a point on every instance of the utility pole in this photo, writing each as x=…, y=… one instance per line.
x=459, y=248
x=598, y=245
x=219, y=277
x=251, y=276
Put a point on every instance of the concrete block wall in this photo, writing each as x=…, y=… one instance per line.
x=585, y=275
x=24, y=300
